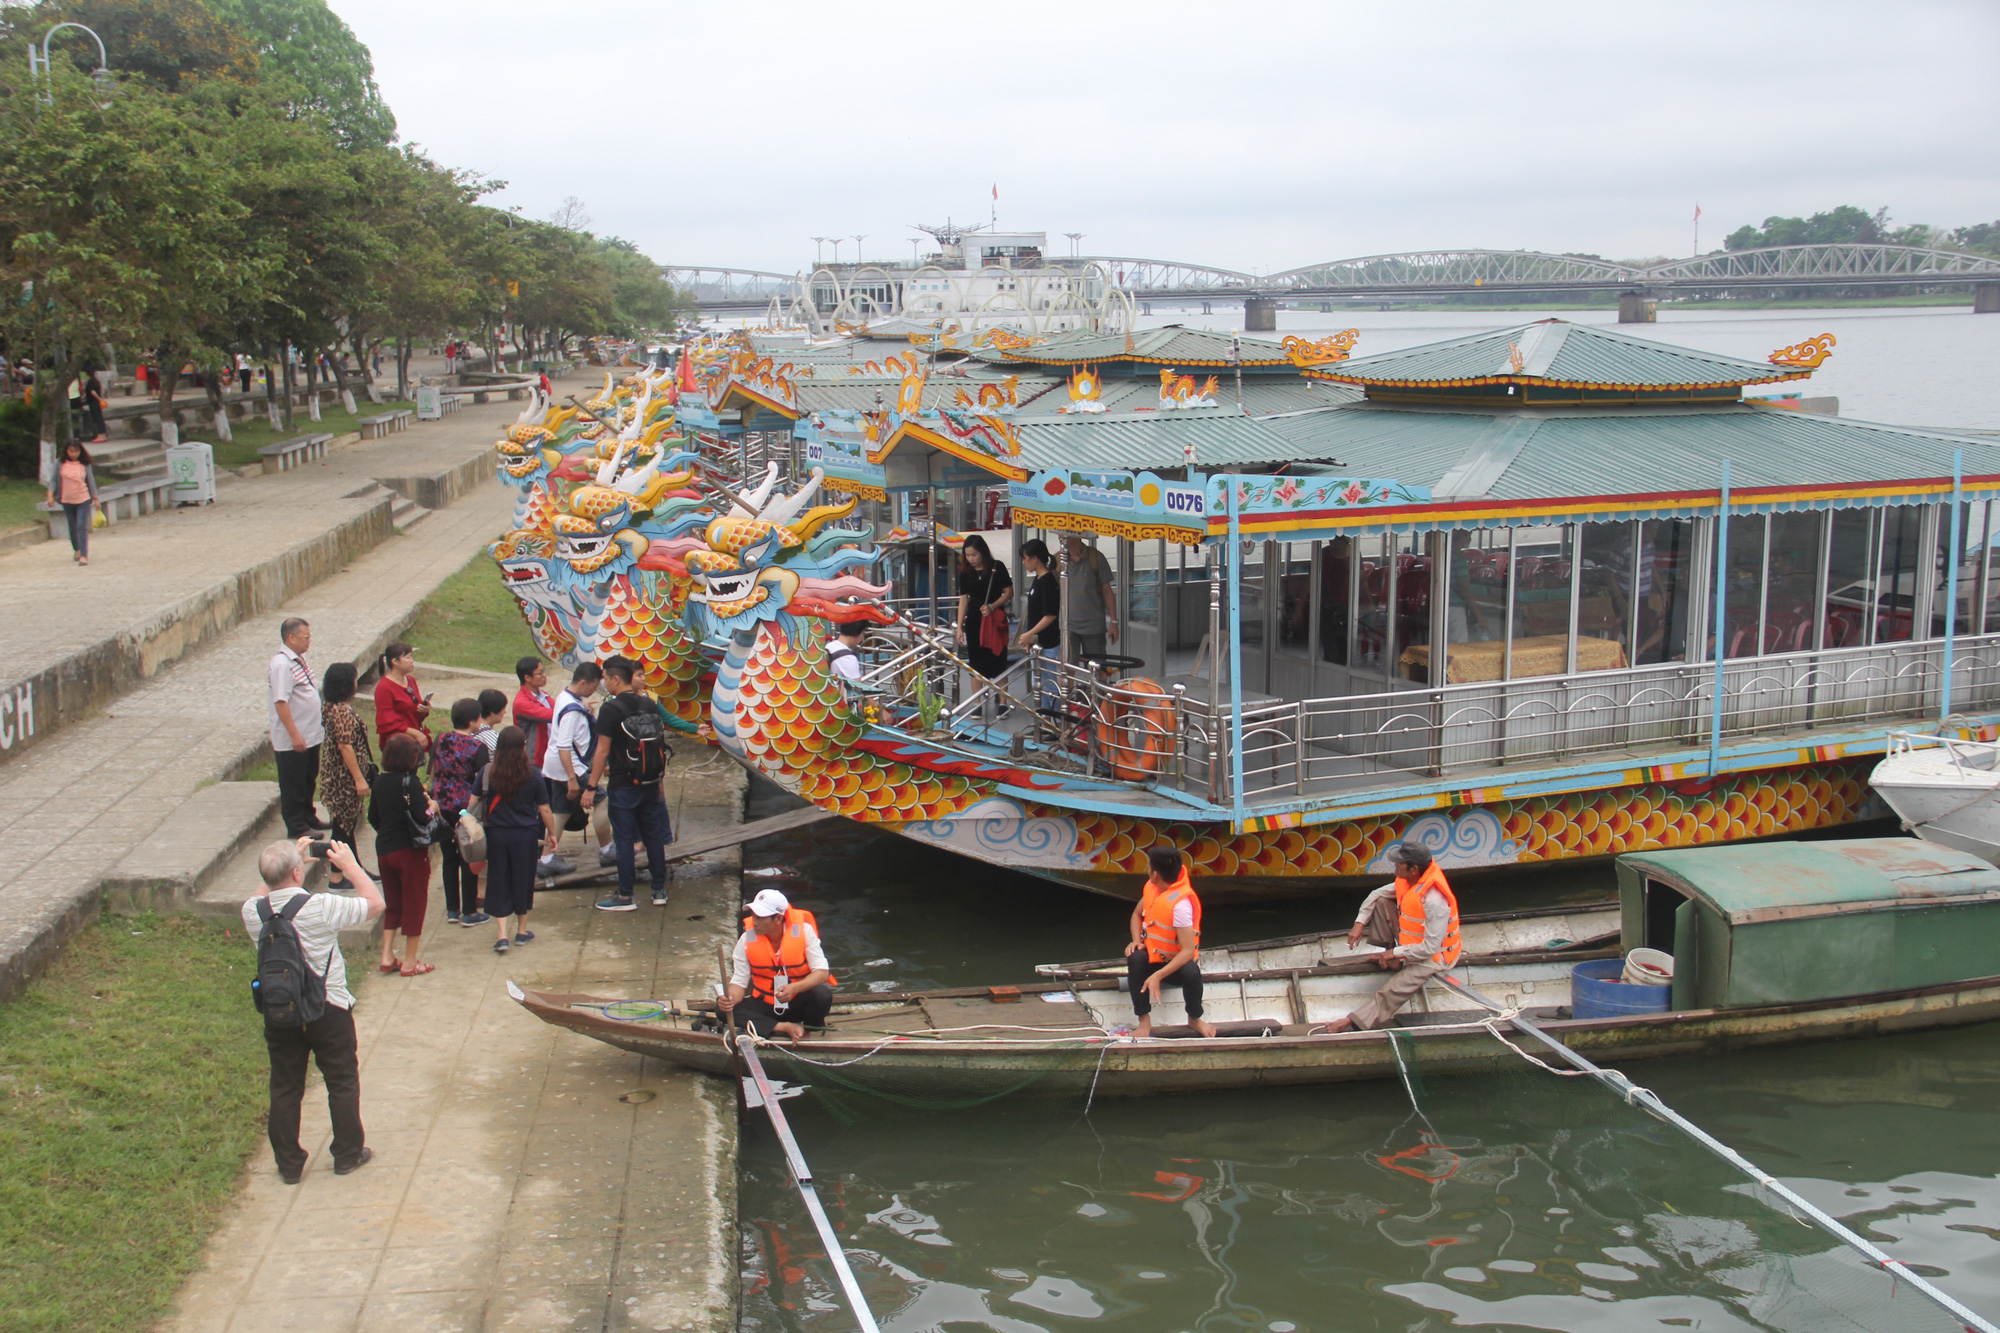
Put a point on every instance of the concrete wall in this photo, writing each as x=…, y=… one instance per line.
x=438, y=489
x=31, y=710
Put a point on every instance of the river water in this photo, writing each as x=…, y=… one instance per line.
x=1911, y=366
x=1522, y=1201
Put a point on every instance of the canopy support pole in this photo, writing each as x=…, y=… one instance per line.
x=802, y=1176
x=1235, y=654
x=1951, y=582
x=1633, y=1095
x=1721, y=633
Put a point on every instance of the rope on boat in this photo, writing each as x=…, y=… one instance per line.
x=1650, y=1101
x=792, y=1051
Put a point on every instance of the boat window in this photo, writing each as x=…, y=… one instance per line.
x=1605, y=604
x=1850, y=593
x=1898, y=555
x=1742, y=623
x=1965, y=556
x=1662, y=902
x=1791, y=587
x=1250, y=607
x=1478, y=590
x=1371, y=604
x=1666, y=554
x=1984, y=587
x=1336, y=597
x=1294, y=597
x=1148, y=565
x=1543, y=565
x=1411, y=594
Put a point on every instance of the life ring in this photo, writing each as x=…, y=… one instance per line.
x=1134, y=728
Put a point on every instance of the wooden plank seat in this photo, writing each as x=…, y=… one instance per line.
x=295, y=452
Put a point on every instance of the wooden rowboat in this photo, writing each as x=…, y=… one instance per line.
x=1752, y=909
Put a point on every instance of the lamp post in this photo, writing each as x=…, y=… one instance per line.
x=857, y=246
x=1075, y=239
x=38, y=63
x=836, y=240
x=819, y=251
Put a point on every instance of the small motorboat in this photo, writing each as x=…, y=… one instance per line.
x=1774, y=943
x=1945, y=790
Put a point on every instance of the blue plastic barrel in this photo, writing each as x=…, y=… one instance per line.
x=1596, y=992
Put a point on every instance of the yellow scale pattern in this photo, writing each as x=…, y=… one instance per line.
x=798, y=731
x=1553, y=828
x=642, y=621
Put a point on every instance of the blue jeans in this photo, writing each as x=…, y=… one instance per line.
x=79, y=516
x=639, y=815
x=1051, y=674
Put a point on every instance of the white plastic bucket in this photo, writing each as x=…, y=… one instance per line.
x=1648, y=967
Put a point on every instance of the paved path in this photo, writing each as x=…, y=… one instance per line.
x=512, y=1188
x=71, y=807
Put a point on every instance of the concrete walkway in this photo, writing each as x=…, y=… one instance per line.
x=523, y=1177
x=75, y=805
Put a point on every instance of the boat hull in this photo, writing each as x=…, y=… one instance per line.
x=1106, y=853
x=944, y=1074
x=1943, y=799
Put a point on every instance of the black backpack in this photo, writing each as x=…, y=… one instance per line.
x=286, y=990
x=640, y=749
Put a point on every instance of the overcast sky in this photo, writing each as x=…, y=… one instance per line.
x=1246, y=135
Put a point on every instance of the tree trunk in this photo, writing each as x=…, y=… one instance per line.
x=312, y=384
x=285, y=355
x=271, y=411
x=403, y=349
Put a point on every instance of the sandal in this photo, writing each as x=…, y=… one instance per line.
x=393, y=965
x=419, y=969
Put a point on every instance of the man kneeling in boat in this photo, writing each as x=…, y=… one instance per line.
x=1166, y=942
x=1415, y=920
x=779, y=938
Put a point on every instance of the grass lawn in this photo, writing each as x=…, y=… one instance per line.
x=132, y=1086
x=17, y=504
x=472, y=621
x=253, y=433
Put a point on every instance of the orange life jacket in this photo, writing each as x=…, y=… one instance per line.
x=1410, y=911
x=1156, y=914
x=789, y=953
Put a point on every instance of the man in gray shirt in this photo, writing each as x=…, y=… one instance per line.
x=329, y=1038
x=1092, y=598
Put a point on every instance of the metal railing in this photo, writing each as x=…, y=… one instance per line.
x=1293, y=747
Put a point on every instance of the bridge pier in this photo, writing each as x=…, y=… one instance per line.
x=1634, y=308
x=1260, y=315
x=1986, y=298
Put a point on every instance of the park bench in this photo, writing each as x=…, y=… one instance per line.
x=296, y=452
x=119, y=500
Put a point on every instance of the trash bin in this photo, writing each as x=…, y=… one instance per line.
x=430, y=402
x=192, y=469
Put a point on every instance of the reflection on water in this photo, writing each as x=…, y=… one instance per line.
x=1520, y=1201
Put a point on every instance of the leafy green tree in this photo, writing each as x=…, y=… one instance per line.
x=1981, y=236
x=1845, y=223
x=169, y=44
x=326, y=69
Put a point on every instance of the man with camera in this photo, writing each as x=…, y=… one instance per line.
x=328, y=1035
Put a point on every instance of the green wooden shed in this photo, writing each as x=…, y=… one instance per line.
x=1786, y=922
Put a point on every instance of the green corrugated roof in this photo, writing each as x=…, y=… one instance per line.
x=833, y=391
x=1553, y=351
x=1762, y=881
x=1222, y=439
x=1558, y=453
x=1170, y=345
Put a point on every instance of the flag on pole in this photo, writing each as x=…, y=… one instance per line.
x=1697, y=212
x=996, y=192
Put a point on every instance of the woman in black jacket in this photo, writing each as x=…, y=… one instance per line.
x=984, y=589
x=399, y=810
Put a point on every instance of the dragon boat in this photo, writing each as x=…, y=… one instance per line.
x=1774, y=944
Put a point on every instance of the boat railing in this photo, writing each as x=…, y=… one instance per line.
x=1297, y=747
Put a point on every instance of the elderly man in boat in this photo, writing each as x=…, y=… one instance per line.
x=779, y=983
x=1415, y=921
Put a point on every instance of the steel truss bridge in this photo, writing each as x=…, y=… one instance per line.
x=1762, y=272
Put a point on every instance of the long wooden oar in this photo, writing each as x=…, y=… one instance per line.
x=1634, y=1095
x=802, y=1174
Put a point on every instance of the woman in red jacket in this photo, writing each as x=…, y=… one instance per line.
x=400, y=708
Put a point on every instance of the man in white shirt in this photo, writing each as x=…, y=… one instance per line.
x=778, y=978
x=566, y=765
x=330, y=1037
x=844, y=653
x=296, y=730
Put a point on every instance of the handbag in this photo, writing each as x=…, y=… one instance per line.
x=470, y=832
x=993, y=632
x=423, y=833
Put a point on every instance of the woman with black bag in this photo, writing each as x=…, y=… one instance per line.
x=404, y=818
x=512, y=801
x=984, y=589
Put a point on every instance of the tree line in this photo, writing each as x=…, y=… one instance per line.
x=1848, y=224
x=236, y=187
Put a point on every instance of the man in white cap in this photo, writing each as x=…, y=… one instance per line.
x=778, y=977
